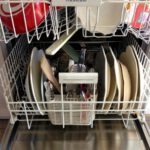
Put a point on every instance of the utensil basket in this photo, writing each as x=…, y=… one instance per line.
x=74, y=110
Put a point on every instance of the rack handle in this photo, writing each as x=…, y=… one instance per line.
x=78, y=78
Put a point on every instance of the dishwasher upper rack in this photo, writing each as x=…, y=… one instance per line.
x=12, y=78
x=55, y=25
x=54, y=22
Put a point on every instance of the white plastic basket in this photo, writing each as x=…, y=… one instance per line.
x=68, y=116
x=73, y=113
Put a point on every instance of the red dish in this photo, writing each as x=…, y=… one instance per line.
x=41, y=11
x=141, y=16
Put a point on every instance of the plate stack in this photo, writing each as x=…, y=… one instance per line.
x=120, y=80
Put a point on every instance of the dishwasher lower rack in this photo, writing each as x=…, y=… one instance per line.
x=63, y=110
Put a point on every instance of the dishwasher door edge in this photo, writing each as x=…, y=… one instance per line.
x=10, y=132
x=8, y=135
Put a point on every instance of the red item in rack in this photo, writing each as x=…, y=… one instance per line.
x=18, y=15
x=33, y=14
x=141, y=16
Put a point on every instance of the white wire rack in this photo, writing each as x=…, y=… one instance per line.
x=69, y=116
x=63, y=110
x=55, y=20
x=55, y=24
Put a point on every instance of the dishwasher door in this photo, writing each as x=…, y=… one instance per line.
x=105, y=135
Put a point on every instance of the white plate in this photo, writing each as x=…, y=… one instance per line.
x=112, y=91
x=141, y=75
x=102, y=19
x=28, y=89
x=35, y=77
x=129, y=60
x=107, y=78
x=119, y=78
x=126, y=86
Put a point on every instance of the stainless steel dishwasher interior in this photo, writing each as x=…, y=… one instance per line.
x=105, y=135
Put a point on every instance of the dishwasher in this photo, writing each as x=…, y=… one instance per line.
x=78, y=74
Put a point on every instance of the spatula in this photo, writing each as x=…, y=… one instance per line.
x=46, y=68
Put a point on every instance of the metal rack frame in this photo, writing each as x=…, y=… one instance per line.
x=52, y=24
x=12, y=76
